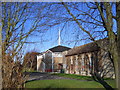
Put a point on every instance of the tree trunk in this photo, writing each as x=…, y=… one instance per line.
x=96, y=76
x=118, y=75
x=0, y=58
x=0, y=51
x=117, y=70
x=117, y=65
x=101, y=81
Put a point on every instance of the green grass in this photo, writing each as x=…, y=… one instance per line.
x=111, y=83
x=74, y=76
x=79, y=77
x=65, y=84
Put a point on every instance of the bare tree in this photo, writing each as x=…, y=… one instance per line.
x=14, y=17
x=105, y=16
x=19, y=21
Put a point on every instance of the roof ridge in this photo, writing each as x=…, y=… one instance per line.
x=89, y=47
x=90, y=43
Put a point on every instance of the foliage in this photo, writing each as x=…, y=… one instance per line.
x=12, y=73
x=30, y=61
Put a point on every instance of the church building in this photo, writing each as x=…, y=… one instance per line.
x=90, y=58
x=52, y=59
x=82, y=60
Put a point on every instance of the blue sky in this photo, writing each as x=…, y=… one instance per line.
x=71, y=34
x=49, y=39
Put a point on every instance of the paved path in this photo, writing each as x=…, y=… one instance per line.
x=32, y=76
x=41, y=76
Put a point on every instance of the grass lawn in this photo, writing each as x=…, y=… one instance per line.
x=74, y=76
x=66, y=84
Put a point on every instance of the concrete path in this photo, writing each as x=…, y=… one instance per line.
x=41, y=76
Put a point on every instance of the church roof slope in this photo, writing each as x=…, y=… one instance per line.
x=90, y=47
x=59, y=48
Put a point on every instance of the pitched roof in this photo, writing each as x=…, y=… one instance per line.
x=90, y=47
x=59, y=48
